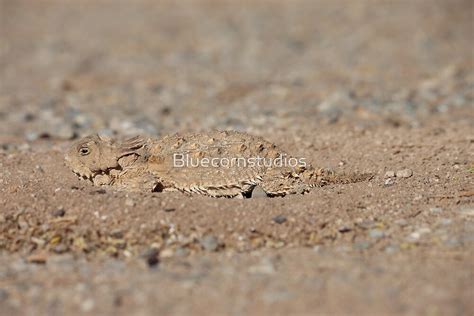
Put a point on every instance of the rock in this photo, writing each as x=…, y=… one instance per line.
x=129, y=202
x=22, y=223
x=416, y=235
x=376, y=233
x=31, y=136
x=169, y=209
x=436, y=209
x=344, y=229
x=87, y=305
x=391, y=249
x=61, y=248
x=389, y=182
x=209, y=243
x=401, y=222
x=60, y=212
x=445, y=221
x=167, y=253
x=366, y=224
x=280, y=219
x=63, y=131
x=362, y=245
x=404, y=173
x=389, y=174
x=39, y=257
x=98, y=191
x=81, y=120
x=116, y=233
x=181, y=252
x=151, y=256
x=38, y=241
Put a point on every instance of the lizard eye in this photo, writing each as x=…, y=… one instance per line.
x=84, y=151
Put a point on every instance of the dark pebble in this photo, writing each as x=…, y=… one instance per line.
x=116, y=233
x=170, y=209
x=100, y=191
x=60, y=212
x=152, y=257
x=280, y=219
x=344, y=229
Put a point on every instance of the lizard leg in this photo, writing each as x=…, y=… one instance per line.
x=277, y=182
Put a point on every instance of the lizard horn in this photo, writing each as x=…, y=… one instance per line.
x=131, y=145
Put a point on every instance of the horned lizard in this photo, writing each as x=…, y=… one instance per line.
x=217, y=164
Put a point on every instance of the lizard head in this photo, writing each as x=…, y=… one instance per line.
x=95, y=155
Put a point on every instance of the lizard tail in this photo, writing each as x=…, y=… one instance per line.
x=322, y=177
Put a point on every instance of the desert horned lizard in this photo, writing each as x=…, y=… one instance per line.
x=217, y=164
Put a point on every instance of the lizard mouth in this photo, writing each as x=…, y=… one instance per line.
x=98, y=176
x=84, y=176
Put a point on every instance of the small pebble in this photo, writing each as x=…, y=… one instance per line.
x=169, y=209
x=151, y=256
x=366, y=224
x=362, y=245
x=389, y=182
x=391, y=249
x=389, y=174
x=209, y=243
x=445, y=221
x=181, y=252
x=87, y=305
x=401, y=222
x=116, y=233
x=31, y=136
x=280, y=219
x=39, y=257
x=63, y=132
x=60, y=212
x=436, y=209
x=404, y=173
x=99, y=191
x=344, y=229
x=376, y=233
x=129, y=202
x=61, y=248
x=167, y=253
x=416, y=235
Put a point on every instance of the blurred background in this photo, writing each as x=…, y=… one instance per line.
x=69, y=68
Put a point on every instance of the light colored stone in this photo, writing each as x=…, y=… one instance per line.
x=404, y=173
x=389, y=174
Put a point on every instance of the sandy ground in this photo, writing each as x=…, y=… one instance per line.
x=358, y=86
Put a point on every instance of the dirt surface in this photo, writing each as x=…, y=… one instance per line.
x=357, y=86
